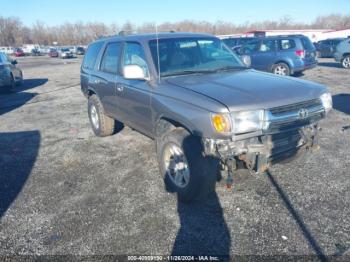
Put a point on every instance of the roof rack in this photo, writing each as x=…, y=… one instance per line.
x=130, y=32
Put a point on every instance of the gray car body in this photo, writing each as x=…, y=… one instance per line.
x=189, y=100
x=342, y=50
x=8, y=69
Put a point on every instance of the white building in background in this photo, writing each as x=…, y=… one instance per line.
x=315, y=35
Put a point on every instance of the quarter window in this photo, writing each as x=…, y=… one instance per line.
x=110, y=58
x=91, y=55
x=286, y=44
x=134, y=55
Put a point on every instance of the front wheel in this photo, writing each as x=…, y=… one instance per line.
x=183, y=166
x=281, y=69
x=346, y=62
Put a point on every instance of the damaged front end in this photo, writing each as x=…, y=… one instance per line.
x=288, y=131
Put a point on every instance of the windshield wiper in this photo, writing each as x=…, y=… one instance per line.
x=226, y=68
x=188, y=72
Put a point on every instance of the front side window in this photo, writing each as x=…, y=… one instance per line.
x=110, y=59
x=134, y=55
x=192, y=55
x=251, y=47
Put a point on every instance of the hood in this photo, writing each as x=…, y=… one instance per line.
x=250, y=89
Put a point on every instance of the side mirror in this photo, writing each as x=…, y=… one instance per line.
x=14, y=62
x=246, y=60
x=134, y=72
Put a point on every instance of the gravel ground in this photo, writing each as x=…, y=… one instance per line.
x=65, y=191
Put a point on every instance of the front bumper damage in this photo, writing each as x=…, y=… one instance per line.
x=258, y=153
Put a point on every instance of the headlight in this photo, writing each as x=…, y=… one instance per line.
x=327, y=102
x=247, y=121
x=221, y=123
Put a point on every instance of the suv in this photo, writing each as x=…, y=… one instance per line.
x=207, y=112
x=282, y=55
x=342, y=53
x=326, y=48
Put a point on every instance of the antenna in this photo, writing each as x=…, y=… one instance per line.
x=158, y=54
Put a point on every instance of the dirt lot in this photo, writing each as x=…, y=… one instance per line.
x=65, y=191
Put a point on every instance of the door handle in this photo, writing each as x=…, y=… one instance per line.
x=120, y=88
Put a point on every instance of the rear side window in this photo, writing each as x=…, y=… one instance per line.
x=91, y=55
x=267, y=46
x=1, y=58
x=110, y=58
x=286, y=44
x=307, y=43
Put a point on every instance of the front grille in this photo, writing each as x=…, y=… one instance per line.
x=289, y=117
x=295, y=107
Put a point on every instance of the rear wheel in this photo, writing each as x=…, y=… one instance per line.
x=346, y=62
x=183, y=166
x=281, y=69
x=101, y=124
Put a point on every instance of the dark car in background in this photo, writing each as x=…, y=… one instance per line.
x=326, y=48
x=282, y=55
x=10, y=74
x=80, y=50
x=236, y=42
x=53, y=52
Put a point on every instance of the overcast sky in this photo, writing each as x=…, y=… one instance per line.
x=119, y=11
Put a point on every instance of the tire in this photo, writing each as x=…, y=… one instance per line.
x=199, y=179
x=281, y=69
x=12, y=85
x=20, y=82
x=101, y=124
x=346, y=62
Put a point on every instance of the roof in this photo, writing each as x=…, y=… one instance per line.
x=147, y=37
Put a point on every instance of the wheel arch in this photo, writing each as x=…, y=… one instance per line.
x=165, y=123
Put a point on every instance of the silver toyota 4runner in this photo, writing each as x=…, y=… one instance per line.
x=207, y=112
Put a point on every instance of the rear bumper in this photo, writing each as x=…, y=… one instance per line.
x=305, y=67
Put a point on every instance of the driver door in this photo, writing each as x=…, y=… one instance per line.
x=134, y=96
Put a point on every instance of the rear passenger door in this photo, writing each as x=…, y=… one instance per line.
x=107, y=76
x=134, y=96
x=266, y=55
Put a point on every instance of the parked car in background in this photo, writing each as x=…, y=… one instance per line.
x=80, y=50
x=53, y=52
x=342, y=53
x=326, y=48
x=206, y=111
x=7, y=50
x=35, y=52
x=10, y=74
x=65, y=53
x=19, y=52
x=28, y=48
x=282, y=55
x=236, y=42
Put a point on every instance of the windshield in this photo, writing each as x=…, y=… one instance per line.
x=65, y=50
x=193, y=55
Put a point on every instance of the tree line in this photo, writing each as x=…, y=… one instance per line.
x=14, y=33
